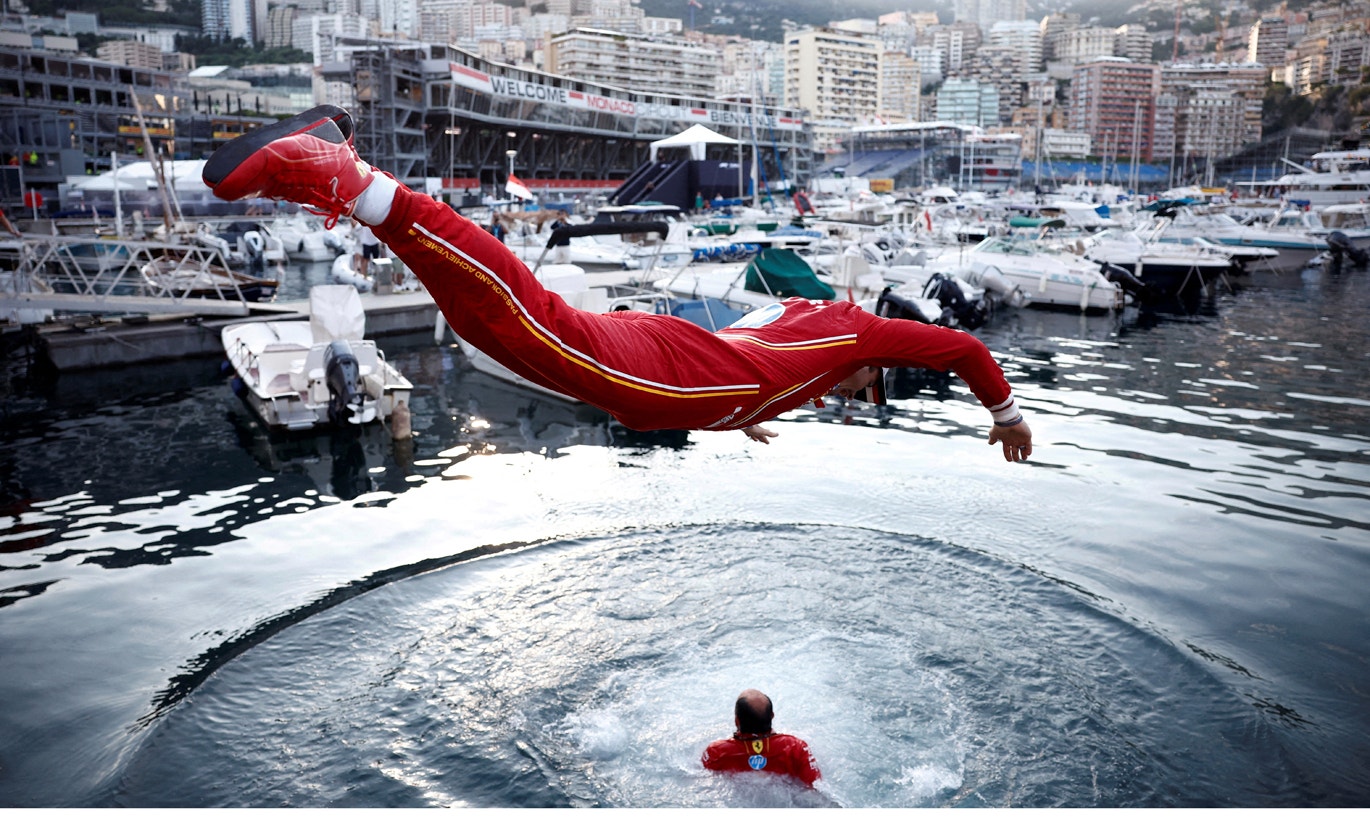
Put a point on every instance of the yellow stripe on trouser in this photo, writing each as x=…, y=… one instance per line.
x=599, y=371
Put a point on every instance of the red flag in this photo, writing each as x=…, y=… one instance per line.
x=516, y=187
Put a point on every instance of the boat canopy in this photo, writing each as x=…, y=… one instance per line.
x=783, y=273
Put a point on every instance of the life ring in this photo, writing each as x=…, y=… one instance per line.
x=802, y=204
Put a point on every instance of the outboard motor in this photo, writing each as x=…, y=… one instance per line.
x=1129, y=282
x=897, y=307
x=947, y=292
x=254, y=251
x=1341, y=246
x=342, y=375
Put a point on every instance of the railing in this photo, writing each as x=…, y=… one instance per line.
x=95, y=274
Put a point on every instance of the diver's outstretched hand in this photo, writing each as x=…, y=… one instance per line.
x=1017, y=441
x=761, y=435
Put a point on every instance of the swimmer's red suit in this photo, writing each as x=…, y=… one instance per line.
x=657, y=372
x=774, y=753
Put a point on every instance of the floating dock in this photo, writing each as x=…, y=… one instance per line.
x=89, y=342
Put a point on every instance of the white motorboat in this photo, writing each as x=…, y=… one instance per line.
x=298, y=374
x=1043, y=275
x=583, y=251
x=1332, y=178
x=343, y=273
x=304, y=238
x=1296, y=248
x=1163, y=268
x=1301, y=221
x=773, y=274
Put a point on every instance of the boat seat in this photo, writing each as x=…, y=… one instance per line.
x=298, y=381
x=281, y=384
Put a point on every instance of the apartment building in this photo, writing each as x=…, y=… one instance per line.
x=1022, y=40
x=985, y=13
x=130, y=53
x=1337, y=57
x=1133, y=42
x=1053, y=27
x=957, y=43
x=999, y=66
x=633, y=61
x=1268, y=42
x=968, y=102
x=835, y=75
x=1113, y=100
x=1085, y=44
x=901, y=80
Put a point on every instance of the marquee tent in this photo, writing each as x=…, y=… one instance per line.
x=696, y=137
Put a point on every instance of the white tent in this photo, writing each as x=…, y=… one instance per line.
x=184, y=175
x=697, y=137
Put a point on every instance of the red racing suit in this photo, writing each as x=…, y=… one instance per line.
x=656, y=372
x=775, y=753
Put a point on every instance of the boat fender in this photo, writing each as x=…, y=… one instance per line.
x=342, y=374
x=401, y=425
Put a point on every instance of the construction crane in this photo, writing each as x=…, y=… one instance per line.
x=1175, y=43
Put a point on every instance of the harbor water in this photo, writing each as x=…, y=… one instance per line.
x=527, y=605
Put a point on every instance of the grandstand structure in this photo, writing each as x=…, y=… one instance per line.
x=917, y=155
x=431, y=112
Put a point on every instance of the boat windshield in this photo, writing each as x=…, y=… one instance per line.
x=1019, y=246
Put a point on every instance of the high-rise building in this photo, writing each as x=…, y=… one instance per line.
x=280, y=26
x=1335, y=57
x=1022, y=39
x=930, y=60
x=1268, y=42
x=130, y=53
x=835, y=75
x=957, y=42
x=1053, y=27
x=1113, y=100
x=227, y=19
x=997, y=66
x=1085, y=44
x=1133, y=42
x=631, y=61
x=900, y=87
x=968, y=102
x=1208, y=110
x=985, y=13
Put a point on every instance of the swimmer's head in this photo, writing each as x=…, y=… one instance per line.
x=867, y=385
x=753, y=712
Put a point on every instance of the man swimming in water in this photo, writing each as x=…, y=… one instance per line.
x=651, y=372
x=755, y=747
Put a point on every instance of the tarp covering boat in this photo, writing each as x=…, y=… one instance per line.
x=784, y=273
x=336, y=313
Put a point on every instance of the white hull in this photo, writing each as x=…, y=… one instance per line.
x=1041, y=276
x=282, y=365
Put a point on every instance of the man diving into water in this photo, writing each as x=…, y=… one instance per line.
x=651, y=372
